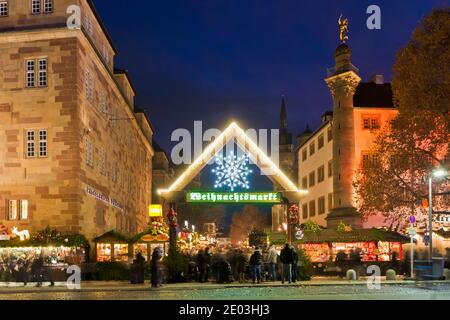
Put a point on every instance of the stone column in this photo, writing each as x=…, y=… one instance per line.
x=343, y=81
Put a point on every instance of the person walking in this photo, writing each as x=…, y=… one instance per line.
x=207, y=263
x=201, y=265
x=287, y=259
x=256, y=262
x=156, y=268
x=272, y=259
x=37, y=269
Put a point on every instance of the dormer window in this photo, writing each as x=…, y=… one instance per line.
x=3, y=9
x=35, y=6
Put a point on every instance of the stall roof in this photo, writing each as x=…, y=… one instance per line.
x=112, y=236
x=357, y=235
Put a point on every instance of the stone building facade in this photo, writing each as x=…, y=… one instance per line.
x=75, y=153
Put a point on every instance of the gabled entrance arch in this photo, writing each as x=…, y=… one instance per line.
x=234, y=133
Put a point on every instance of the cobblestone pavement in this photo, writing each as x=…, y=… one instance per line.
x=421, y=291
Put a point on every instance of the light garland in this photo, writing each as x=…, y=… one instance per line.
x=232, y=172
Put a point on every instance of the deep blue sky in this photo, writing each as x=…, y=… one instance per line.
x=213, y=60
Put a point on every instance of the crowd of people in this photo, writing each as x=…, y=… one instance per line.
x=242, y=265
x=25, y=267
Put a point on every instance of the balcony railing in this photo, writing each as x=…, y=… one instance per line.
x=333, y=71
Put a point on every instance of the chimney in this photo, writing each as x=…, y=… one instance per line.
x=377, y=79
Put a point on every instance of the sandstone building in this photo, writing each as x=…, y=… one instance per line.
x=75, y=153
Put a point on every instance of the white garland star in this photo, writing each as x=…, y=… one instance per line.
x=232, y=172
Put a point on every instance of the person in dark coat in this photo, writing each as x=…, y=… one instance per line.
x=156, y=267
x=207, y=257
x=201, y=265
x=341, y=262
x=241, y=265
x=256, y=262
x=287, y=259
x=294, y=265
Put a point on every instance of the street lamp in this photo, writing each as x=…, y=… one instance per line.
x=439, y=173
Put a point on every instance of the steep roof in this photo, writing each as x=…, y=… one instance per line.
x=372, y=95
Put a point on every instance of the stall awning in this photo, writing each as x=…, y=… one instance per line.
x=357, y=235
x=112, y=237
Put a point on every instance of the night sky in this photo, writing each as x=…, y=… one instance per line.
x=214, y=60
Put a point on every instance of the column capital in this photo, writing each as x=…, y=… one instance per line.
x=347, y=82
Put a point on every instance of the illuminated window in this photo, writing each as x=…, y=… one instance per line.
x=35, y=6
x=321, y=142
x=89, y=152
x=42, y=63
x=371, y=122
x=24, y=210
x=312, y=149
x=30, y=67
x=104, y=252
x=31, y=144
x=305, y=211
x=321, y=205
x=3, y=9
x=17, y=210
x=330, y=201
x=12, y=210
x=43, y=152
x=312, y=208
x=312, y=179
x=321, y=174
x=48, y=6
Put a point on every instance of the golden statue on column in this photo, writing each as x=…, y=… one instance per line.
x=343, y=29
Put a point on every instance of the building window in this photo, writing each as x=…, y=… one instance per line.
x=330, y=201
x=321, y=174
x=89, y=84
x=89, y=152
x=305, y=211
x=102, y=104
x=48, y=6
x=42, y=72
x=43, y=143
x=330, y=169
x=368, y=160
x=305, y=183
x=88, y=25
x=321, y=141
x=321, y=205
x=3, y=9
x=35, y=6
x=312, y=179
x=17, y=210
x=12, y=210
x=305, y=154
x=102, y=162
x=312, y=208
x=24, y=210
x=330, y=134
x=371, y=122
x=312, y=149
x=30, y=66
x=31, y=144
x=36, y=138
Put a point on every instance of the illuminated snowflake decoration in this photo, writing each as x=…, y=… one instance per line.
x=232, y=172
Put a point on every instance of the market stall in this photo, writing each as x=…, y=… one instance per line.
x=58, y=251
x=157, y=235
x=375, y=245
x=112, y=246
